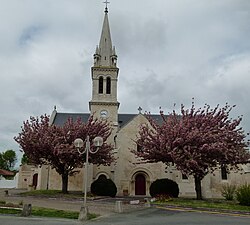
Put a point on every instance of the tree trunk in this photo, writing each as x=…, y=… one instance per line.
x=65, y=178
x=197, y=181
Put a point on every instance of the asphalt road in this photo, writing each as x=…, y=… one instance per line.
x=155, y=216
x=150, y=216
x=13, y=220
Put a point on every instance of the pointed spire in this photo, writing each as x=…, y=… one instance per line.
x=97, y=50
x=53, y=116
x=105, y=45
x=105, y=52
x=113, y=52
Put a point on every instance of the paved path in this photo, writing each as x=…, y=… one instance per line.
x=101, y=208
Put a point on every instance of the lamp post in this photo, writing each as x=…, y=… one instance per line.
x=78, y=143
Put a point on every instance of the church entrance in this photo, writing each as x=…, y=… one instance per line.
x=140, y=184
x=34, y=181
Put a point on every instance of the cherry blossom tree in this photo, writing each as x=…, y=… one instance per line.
x=196, y=141
x=53, y=145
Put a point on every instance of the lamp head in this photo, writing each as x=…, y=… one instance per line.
x=98, y=141
x=78, y=143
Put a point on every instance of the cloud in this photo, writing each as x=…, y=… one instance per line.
x=168, y=52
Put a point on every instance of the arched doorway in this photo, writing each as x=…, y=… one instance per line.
x=102, y=177
x=34, y=181
x=140, y=184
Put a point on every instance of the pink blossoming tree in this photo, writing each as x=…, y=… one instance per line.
x=196, y=141
x=53, y=145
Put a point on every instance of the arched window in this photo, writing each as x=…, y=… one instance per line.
x=100, y=88
x=223, y=173
x=34, y=181
x=115, y=137
x=108, y=86
x=184, y=176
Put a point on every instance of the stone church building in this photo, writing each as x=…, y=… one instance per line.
x=131, y=176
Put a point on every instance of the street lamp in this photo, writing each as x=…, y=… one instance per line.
x=78, y=143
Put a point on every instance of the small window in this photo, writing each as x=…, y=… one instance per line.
x=139, y=148
x=100, y=90
x=115, y=137
x=108, y=87
x=223, y=173
x=184, y=176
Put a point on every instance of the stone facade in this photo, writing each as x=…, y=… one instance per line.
x=131, y=175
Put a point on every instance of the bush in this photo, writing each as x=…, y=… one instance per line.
x=164, y=187
x=162, y=198
x=243, y=194
x=2, y=202
x=103, y=187
x=228, y=191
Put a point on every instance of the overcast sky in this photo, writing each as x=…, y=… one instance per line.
x=168, y=52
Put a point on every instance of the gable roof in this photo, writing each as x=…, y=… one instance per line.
x=61, y=118
x=6, y=173
x=123, y=119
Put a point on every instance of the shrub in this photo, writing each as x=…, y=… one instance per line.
x=164, y=187
x=228, y=191
x=20, y=203
x=103, y=187
x=243, y=194
x=163, y=198
x=2, y=202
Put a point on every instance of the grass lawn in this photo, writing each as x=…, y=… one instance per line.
x=9, y=211
x=43, y=212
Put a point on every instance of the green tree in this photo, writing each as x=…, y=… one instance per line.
x=25, y=159
x=8, y=159
x=2, y=162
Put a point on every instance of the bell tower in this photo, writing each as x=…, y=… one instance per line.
x=104, y=77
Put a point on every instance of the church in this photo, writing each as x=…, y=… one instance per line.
x=131, y=176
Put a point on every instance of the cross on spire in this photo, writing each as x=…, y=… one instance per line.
x=140, y=109
x=106, y=8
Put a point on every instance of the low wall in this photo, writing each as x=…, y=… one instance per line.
x=9, y=183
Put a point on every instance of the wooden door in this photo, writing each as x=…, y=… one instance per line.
x=34, y=182
x=140, y=185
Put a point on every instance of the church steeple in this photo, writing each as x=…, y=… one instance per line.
x=105, y=53
x=104, y=72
